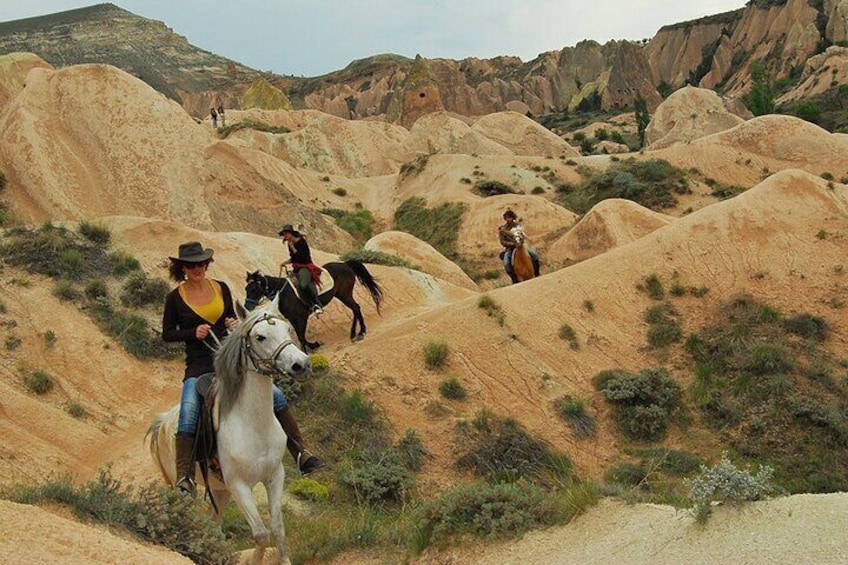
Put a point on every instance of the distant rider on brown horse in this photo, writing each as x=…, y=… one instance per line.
x=507, y=240
x=308, y=274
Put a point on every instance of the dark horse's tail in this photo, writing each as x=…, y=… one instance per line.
x=358, y=267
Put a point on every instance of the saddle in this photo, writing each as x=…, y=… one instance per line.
x=205, y=450
x=325, y=286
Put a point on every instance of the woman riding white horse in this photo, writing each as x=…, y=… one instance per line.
x=250, y=441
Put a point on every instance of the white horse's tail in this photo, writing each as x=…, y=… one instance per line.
x=154, y=432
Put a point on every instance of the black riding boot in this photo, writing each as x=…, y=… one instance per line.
x=306, y=462
x=312, y=296
x=185, y=464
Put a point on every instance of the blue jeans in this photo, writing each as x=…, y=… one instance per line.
x=507, y=258
x=190, y=403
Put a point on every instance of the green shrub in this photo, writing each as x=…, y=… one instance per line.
x=663, y=325
x=96, y=233
x=320, y=362
x=155, y=513
x=499, y=449
x=411, y=450
x=122, y=263
x=573, y=410
x=39, y=382
x=378, y=258
x=257, y=125
x=627, y=474
x=309, y=489
x=96, y=289
x=378, y=479
x=452, y=389
x=644, y=402
x=654, y=287
x=436, y=353
x=50, y=338
x=489, y=511
x=12, y=342
x=492, y=188
x=808, y=326
x=131, y=331
x=589, y=305
x=537, y=190
x=413, y=167
x=724, y=482
x=76, y=410
x=140, y=290
x=437, y=226
x=354, y=408
x=492, y=308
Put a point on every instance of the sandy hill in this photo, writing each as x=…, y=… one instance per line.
x=763, y=242
x=609, y=224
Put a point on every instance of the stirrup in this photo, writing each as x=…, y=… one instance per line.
x=186, y=485
x=317, y=310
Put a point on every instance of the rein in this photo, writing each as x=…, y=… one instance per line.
x=266, y=291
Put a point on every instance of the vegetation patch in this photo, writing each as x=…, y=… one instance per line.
x=436, y=352
x=645, y=402
x=378, y=258
x=492, y=308
x=768, y=387
x=724, y=482
x=573, y=410
x=651, y=183
x=452, y=389
x=359, y=223
x=663, y=325
x=437, y=226
x=492, y=188
x=256, y=125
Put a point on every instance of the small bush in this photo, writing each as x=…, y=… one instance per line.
x=492, y=188
x=663, y=325
x=309, y=489
x=339, y=191
x=354, y=408
x=644, y=402
x=589, y=305
x=411, y=450
x=96, y=289
x=439, y=226
x=725, y=482
x=39, y=382
x=257, y=125
x=378, y=479
x=320, y=362
x=492, y=308
x=378, y=258
x=452, y=389
x=50, y=338
x=414, y=167
x=654, y=287
x=627, y=474
x=808, y=326
x=573, y=411
x=490, y=511
x=140, y=290
x=95, y=233
x=436, y=353
x=537, y=190
x=122, y=263
x=76, y=410
x=12, y=342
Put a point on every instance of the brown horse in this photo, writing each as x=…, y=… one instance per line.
x=522, y=264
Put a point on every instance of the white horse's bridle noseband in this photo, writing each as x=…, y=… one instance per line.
x=265, y=366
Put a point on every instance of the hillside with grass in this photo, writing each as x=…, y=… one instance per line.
x=693, y=353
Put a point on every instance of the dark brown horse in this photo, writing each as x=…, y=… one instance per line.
x=297, y=311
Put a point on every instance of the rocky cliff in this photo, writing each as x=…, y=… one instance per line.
x=715, y=52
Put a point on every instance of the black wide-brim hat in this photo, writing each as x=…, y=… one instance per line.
x=289, y=228
x=192, y=252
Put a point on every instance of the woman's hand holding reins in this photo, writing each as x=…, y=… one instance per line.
x=202, y=331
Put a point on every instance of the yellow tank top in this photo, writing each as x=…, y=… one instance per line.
x=211, y=311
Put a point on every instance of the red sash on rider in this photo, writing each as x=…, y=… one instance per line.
x=314, y=270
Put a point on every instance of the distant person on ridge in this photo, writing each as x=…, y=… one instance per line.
x=508, y=242
x=221, y=115
x=308, y=274
x=214, y=118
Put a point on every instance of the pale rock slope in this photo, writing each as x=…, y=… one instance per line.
x=759, y=147
x=421, y=255
x=764, y=242
x=14, y=68
x=91, y=140
x=609, y=224
x=686, y=115
x=523, y=136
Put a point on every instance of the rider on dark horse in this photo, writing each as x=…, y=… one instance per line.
x=507, y=240
x=307, y=273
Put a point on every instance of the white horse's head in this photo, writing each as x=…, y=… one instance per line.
x=267, y=341
x=517, y=235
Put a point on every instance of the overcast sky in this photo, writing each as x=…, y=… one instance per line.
x=313, y=37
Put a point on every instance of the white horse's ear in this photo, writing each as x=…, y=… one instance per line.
x=275, y=304
x=241, y=313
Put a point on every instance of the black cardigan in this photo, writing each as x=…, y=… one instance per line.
x=179, y=323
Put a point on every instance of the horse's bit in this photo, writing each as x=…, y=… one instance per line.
x=265, y=366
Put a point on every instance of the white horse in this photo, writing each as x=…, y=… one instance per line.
x=250, y=441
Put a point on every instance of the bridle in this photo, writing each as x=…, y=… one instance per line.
x=266, y=292
x=266, y=366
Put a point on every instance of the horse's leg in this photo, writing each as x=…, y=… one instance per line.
x=274, y=487
x=357, y=316
x=243, y=496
